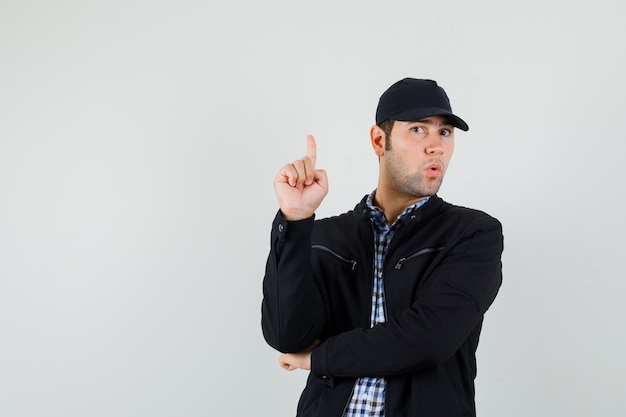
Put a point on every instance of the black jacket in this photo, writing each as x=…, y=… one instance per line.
x=441, y=273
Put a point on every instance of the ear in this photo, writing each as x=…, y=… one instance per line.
x=377, y=137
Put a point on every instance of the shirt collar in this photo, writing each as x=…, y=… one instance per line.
x=378, y=215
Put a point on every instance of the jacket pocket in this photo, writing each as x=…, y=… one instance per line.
x=421, y=252
x=405, y=276
x=348, y=262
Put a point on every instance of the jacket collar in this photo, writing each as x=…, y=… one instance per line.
x=432, y=206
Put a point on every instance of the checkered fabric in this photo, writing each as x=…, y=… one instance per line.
x=368, y=394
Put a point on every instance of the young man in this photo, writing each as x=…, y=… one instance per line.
x=383, y=304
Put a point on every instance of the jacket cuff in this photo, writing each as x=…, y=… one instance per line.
x=319, y=364
x=285, y=229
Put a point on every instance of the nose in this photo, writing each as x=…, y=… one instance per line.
x=434, y=146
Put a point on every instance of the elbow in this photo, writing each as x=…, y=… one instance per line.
x=288, y=342
x=289, y=332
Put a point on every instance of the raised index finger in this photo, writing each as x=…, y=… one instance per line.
x=311, y=148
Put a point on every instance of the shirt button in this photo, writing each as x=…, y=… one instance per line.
x=281, y=227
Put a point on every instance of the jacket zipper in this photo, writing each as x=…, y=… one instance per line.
x=345, y=407
x=335, y=254
x=422, y=252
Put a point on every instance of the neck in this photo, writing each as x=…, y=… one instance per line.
x=392, y=203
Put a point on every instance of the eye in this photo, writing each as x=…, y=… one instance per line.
x=446, y=132
x=417, y=129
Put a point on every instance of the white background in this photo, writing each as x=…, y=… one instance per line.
x=139, y=141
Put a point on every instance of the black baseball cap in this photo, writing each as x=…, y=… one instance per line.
x=413, y=99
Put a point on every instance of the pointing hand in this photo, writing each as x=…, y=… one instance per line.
x=300, y=188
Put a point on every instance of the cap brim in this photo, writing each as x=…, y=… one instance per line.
x=423, y=112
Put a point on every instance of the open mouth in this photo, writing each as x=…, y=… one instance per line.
x=434, y=170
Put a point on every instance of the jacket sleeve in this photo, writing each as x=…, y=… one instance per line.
x=458, y=293
x=292, y=309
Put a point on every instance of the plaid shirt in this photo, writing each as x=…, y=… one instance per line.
x=368, y=394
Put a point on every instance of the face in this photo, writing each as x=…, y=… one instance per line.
x=415, y=156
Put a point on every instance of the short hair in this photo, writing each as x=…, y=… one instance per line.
x=387, y=126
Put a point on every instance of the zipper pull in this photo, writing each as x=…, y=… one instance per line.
x=400, y=263
x=353, y=265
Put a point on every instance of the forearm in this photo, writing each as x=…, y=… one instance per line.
x=446, y=310
x=400, y=346
x=292, y=313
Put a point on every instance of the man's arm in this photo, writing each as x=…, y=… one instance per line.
x=292, y=310
x=436, y=324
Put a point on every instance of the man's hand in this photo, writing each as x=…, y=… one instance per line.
x=302, y=360
x=300, y=188
x=293, y=361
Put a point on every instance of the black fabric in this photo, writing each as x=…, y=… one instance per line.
x=442, y=271
x=412, y=99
